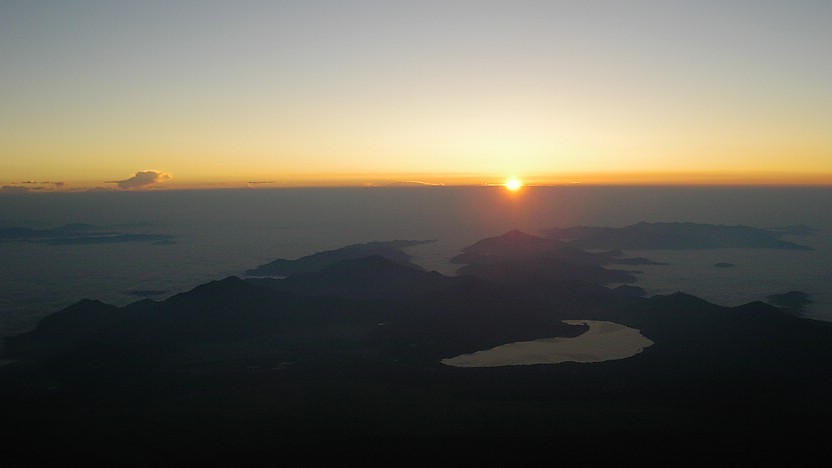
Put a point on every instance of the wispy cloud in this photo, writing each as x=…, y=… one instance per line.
x=414, y=183
x=141, y=179
x=44, y=186
x=13, y=189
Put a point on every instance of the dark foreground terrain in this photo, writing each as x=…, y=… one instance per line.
x=343, y=364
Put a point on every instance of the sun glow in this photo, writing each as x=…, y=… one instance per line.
x=514, y=184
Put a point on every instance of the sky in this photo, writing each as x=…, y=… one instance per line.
x=129, y=95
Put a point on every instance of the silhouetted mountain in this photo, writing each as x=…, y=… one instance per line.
x=220, y=311
x=511, y=245
x=646, y=236
x=547, y=269
x=795, y=301
x=629, y=290
x=470, y=315
x=538, y=268
x=363, y=278
x=517, y=245
x=575, y=232
x=390, y=250
x=350, y=355
x=146, y=292
x=349, y=298
x=65, y=328
x=754, y=342
x=796, y=230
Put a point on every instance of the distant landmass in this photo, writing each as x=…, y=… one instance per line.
x=677, y=236
x=796, y=230
x=146, y=292
x=79, y=234
x=158, y=239
x=346, y=354
x=793, y=300
x=374, y=276
x=520, y=246
x=22, y=233
x=391, y=250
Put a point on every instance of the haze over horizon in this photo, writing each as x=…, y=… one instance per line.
x=141, y=95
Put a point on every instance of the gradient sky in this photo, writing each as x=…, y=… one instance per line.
x=139, y=94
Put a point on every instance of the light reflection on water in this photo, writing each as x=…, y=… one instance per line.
x=603, y=341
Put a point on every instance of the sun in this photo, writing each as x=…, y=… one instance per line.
x=514, y=184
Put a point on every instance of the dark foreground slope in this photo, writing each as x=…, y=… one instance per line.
x=239, y=370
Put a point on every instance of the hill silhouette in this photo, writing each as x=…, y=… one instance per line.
x=347, y=357
x=795, y=301
x=676, y=236
x=516, y=245
x=367, y=277
x=391, y=250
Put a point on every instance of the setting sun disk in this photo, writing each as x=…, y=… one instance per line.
x=514, y=184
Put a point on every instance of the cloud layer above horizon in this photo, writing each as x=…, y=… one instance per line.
x=141, y=180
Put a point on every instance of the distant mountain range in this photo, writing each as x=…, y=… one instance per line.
x=391, y=250
x=344, y=354
x=79, y=234
x=677, y=236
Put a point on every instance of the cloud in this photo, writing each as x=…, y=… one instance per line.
x=13, y=189
x=141, y=179
x=256, y=183
x=45, y=185
x=413, y=183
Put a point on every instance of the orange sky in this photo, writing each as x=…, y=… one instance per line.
x=148, y=95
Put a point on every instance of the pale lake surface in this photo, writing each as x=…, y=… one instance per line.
x=604, y=341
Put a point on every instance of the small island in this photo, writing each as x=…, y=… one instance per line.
x=792, y=300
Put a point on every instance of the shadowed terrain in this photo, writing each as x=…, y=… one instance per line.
x=391, y=250
x=346, y=359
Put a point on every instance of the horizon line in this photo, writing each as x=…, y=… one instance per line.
x=656, y=179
